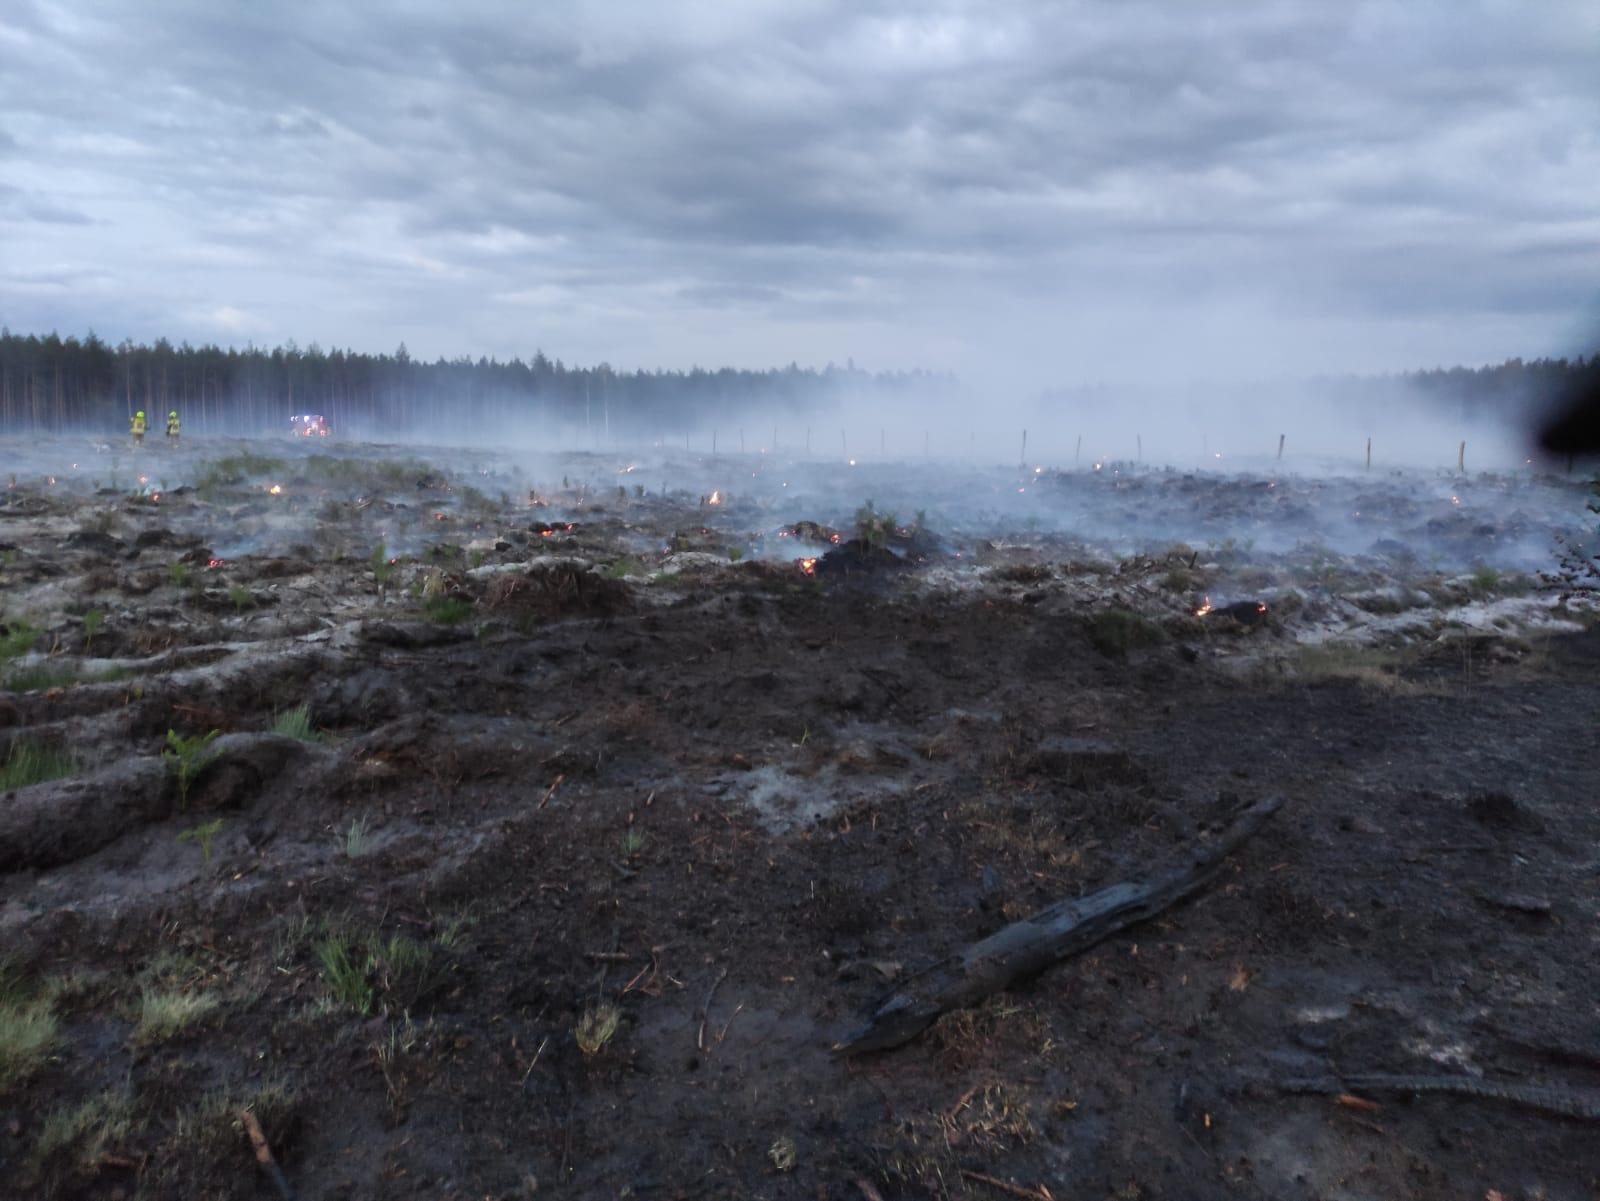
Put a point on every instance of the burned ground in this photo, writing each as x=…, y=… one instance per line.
x=587, y=852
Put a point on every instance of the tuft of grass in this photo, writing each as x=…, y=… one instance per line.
x=632, y=843
x=241, y=597
x=874, y=529
x=42, y=677
x=187, y=758
x=236, y=469
x=178, y=573
x=28, y=1031
x=1114, y=632
x=1371, y=667
x=447, y=610
x=201, y=1155
x=33, y=763
x=623, y=568
x=296, y=723
x=474, y=500
x=163, y=1014
x=16, y=638
x=382, y=569
x=355, y=841
x=93, y=622
x=392, y=974
x=735, y=554
x=74, y=1140
x=203, y=834
x=596, y=1027
x=344, y=972
x=1178, y=579
x=393, y=1055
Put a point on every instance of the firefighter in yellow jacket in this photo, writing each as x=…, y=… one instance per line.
x=174, y=428
x=136, y=427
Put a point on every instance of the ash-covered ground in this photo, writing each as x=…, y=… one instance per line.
x=496, y=824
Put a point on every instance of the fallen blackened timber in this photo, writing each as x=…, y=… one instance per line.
x=1056, y=932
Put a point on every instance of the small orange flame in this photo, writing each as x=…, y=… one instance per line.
x=1205, y=607
x=716, y=498
x=213, y=564
x=276, y=490
x=807, y=566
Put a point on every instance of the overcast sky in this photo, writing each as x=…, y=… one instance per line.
x=1049, y=191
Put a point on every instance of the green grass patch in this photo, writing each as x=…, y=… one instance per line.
x=596, y=1027
x=1375, y=668
x=1115, y=632
x=382, y=569
x=447, y=610
x=236, y=469
x=356, y=841
x=28, y=1032
x=163, y=1014
x=43, y=676
x=75, y=1139
x=16, y=638
x=34, y=763
x=371, y=974
x=296, y=723
x=623, y=568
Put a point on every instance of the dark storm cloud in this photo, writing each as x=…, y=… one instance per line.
x=944, y=183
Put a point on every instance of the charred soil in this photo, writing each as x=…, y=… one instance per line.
x=569, y=880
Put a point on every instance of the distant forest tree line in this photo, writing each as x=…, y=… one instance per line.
x=55, y=383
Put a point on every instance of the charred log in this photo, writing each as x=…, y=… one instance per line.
x=1057, y=932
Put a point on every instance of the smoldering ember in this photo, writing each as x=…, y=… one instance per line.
x=659, y=823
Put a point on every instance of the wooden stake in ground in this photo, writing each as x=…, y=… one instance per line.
x=1024, y=459
x=1281, y=437
x=1056, y=932
x=258, y=1142
x=1461, y=459
x=1078, y=453
x=1369, y=454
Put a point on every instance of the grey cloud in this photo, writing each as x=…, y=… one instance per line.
x=796, y=170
